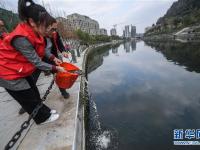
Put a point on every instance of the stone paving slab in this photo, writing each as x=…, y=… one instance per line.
x=58, y=134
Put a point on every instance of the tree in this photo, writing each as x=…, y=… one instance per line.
x=91, y=39
x=66, y=31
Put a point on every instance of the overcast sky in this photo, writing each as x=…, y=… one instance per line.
x=141, y=13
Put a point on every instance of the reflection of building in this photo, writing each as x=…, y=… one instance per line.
x=86, y=24
x=113, y=32
x=133, y=45
x=103, y=32
x=127, y=46
x=114, y=50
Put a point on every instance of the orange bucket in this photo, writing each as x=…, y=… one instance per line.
x=66, y=80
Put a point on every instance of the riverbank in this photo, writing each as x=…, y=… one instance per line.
x=186, y=34
x=159, y=37
x=168, y=37
x=81, y=120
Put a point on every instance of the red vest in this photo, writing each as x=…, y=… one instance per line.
x=13, y=65
x=55, y=38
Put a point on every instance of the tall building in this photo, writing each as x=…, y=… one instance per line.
x=133, y=31
x=84, y=23
x=129, y=31
x=113, y=32
x=123, y=33
x=103, y=31
x=126, y=31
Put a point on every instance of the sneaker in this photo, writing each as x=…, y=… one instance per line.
x=53, y=111
x=52, y=118
x=22, y=111
x=64, y=93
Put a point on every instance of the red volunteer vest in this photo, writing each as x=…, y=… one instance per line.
x=13, y=65
x=55, y=37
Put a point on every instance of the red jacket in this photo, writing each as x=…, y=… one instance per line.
x=55, y=38
x=13, y=65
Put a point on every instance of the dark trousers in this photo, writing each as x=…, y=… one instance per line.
x=62, y=91
x=29, y=99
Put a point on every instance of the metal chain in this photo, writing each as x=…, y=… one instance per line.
x=26, y=123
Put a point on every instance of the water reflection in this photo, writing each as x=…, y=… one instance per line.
x=130, y=45
x=127, y=47
x=96, y=58
x=114, y=50
x=144, y=95
x=183, y=54
x=133, y=45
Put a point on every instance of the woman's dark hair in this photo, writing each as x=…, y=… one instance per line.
x=28, y=9
x=2, y=19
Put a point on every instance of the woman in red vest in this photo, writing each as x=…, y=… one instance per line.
x=21, y=53
x=55, y=47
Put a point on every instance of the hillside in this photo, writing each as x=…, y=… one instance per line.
x=11, y=19
x=182, y=13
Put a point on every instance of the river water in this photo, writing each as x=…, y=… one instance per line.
x=140, y=93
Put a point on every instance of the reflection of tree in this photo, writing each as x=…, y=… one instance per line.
x=183, y=54
x=95, y=58
x=115, y=48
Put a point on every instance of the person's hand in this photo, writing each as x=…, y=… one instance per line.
x=60, y=69
x=57, y=61
x=65, y=54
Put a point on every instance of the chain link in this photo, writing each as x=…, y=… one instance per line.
x=26, y=123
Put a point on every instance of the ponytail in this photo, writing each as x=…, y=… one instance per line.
x=28, y=9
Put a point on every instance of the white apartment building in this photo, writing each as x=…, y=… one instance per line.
x=103, y=31
x=83, y=23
